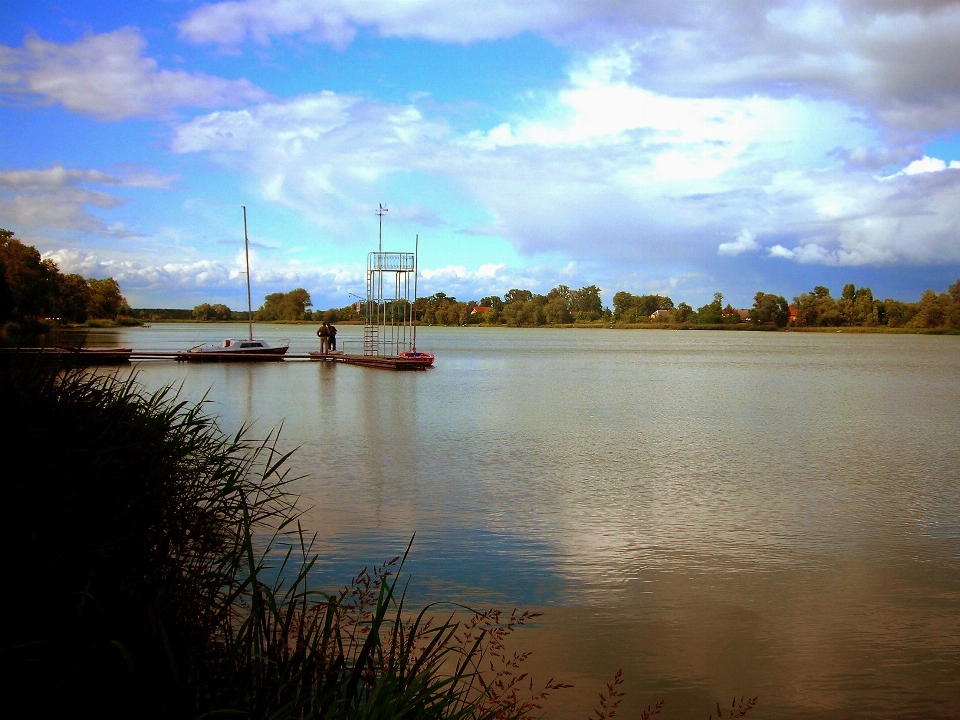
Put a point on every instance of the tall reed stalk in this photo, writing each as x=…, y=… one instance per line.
x=137, y=585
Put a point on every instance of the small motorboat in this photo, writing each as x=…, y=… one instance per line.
x=415, y=357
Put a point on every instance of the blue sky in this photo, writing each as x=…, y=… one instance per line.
x=653, y=147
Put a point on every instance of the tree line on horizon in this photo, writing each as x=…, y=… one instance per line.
x=34, y=289
x=856, y=307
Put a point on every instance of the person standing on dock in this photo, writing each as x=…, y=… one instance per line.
x=331, y=338
x=324, y=334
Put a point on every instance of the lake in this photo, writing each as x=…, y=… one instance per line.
x=718, y=513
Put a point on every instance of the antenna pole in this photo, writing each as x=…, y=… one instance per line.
x=246, y=248
x=416, y=273
x=380, y=212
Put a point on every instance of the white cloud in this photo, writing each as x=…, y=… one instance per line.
x=322, y=153
x=337, y=21
x=150, y=282
x=898, y=59
x=489, y=270
x=744, y=242
x=56, y=199
x=925, y=164
x=107, y=77
x=779, y=251
x=605, y=170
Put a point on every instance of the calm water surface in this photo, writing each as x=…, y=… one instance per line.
x=772, y=514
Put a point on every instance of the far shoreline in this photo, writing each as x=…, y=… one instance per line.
x=738, y=327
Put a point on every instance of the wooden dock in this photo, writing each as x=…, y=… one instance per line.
x=386, y=362
x=66, y=357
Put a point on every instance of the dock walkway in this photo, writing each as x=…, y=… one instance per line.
x=121, y=357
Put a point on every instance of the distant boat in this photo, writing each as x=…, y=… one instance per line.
x=233, y=347
x=240, y=349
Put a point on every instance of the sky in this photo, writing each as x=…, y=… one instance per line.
x=677, y=148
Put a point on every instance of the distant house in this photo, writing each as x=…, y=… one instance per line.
x=664, y=314
x=793, y=314
x=744, y=314
x=480, y=309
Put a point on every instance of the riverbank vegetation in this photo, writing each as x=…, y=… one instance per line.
x=34, y=294
x=856, y=308
x=160, y=572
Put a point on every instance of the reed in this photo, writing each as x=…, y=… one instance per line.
x=156, y=568
x=162, y=572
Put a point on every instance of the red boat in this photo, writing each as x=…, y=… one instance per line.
x=414, y=357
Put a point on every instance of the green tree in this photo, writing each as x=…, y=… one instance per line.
x=857, y=306
x=770, y=309
x=493, y=301
x=585, y=303
x=711, y=313
x=953, y=307
x=73, y=298
x=931, y=310
x=204, y=311
x=31, y=281
x=622, y=302
x=6, y=297
x=817, y=308
x=637, y=308
x=556, y=310
x=515, y=295
x=105, y=299
x=221, y=312
x=285, y=306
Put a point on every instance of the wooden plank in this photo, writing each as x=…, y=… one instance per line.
x=379, y=361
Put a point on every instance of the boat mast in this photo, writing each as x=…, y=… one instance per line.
x=246, y=248
x=416, y=272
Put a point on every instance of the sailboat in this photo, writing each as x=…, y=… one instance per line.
x=240, y=348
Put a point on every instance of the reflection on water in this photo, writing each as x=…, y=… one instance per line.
x=773, y=514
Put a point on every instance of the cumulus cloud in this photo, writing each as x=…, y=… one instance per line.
x=151, y=281
x=56, y=198
x=337, y=21
x=605, y=170
x=926, y=164
x=744, y=242
x=107, y=76
x=908, y=219
x=899, y=59
x=322, y=153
